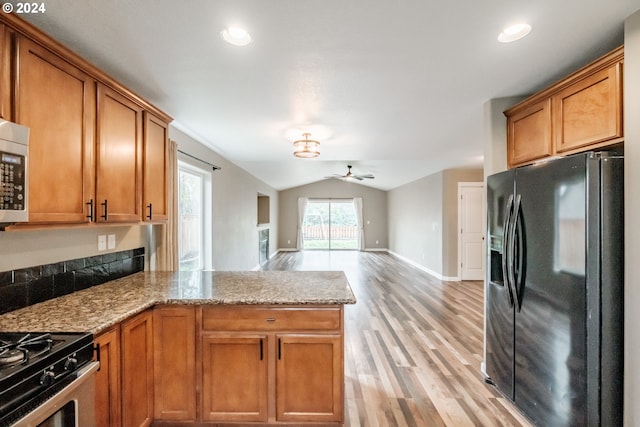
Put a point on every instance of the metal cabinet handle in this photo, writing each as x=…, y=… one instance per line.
x=270, y=319
x=105, y=210
x=261, y=350
x=92, y=214
x=279, y=349
x=150, y=207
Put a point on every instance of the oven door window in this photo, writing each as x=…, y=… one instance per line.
x=65, y=417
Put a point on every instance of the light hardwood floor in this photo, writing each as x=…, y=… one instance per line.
x=413, y=344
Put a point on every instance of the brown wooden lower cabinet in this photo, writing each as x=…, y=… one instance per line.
x=234, y=377
x=108, y=401
x=273, y=364
x=309, y=383
x=207, y=365
x=124, y=383
x=174, y=363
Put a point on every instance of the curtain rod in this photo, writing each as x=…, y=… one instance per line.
x=215, y=167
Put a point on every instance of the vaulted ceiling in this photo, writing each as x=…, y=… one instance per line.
x=394, y=88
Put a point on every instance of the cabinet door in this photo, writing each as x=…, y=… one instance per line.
x=57, y=102
x=137, y=371
x=174, y=332
x=155, y=169
x=234, y=378
x=529, y=134
x=108, y=380
x=119, y=162
x=309, y=378
x=589, y=111
x=5, y=73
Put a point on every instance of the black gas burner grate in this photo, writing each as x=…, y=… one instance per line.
x=20, y=350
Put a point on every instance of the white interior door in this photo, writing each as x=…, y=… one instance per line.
x=471, y=237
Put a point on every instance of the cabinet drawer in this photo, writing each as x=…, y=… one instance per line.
x=251, y=318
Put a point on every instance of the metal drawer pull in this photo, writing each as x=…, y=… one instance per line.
x=271, y=319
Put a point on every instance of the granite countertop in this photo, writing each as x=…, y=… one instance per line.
x=97, y=308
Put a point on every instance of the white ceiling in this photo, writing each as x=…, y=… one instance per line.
x=394, y=87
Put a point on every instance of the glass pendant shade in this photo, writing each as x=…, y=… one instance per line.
x=306, y=148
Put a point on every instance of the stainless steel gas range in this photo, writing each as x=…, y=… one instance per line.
x=47, y=379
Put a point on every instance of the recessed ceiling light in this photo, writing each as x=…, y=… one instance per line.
x=514, y=32
x=236, y=36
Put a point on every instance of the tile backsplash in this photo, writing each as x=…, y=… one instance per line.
x=28, y=286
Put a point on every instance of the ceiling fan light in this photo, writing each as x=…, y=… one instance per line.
x=306, y=148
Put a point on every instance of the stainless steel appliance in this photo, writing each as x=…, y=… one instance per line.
x=14, y=173
x=47, y=379
x=554, y=289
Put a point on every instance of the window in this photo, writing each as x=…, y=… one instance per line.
x=330, y=225
x=194, y=217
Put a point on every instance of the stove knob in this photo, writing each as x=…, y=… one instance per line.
x=47, y=378
x=71, y=364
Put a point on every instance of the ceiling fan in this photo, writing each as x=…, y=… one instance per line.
x=351, y=175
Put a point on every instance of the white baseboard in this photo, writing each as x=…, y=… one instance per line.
x=287, y=250
x=426, y=270
x=376, y=250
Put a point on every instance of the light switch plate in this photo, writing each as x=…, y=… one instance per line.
x=111, y=241
x=102, y=242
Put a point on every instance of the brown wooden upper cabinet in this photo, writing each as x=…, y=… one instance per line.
x=580, y=113
x=5, y=73
x=529, y=133
x=156, y=148
x=97, y=151
x=119, y=158
x=57, y=102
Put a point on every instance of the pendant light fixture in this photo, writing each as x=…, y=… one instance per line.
x=306, y=148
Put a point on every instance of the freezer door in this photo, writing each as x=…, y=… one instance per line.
x=499, y=316
x=550, y=325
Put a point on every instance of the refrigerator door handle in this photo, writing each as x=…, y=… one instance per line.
x=505, y=248
x=513, y=279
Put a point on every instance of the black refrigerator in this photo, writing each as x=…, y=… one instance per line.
x=554, y=289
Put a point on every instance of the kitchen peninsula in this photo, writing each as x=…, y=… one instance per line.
x=209, y=347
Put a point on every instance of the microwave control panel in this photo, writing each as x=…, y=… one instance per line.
x=12, y=181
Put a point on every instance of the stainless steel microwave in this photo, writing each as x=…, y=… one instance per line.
x=14, y=173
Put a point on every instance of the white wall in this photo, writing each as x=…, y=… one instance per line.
x=19, y=249
x=415, y=222
x=423, y=220
x=632, y=213
x=235, y=208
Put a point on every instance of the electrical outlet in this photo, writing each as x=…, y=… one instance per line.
x=111, y=241
x=288, y=242
x=102, y=242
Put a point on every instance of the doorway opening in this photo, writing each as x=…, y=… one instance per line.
x=330, y=224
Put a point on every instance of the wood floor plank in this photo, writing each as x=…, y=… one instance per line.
x=413, y=344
